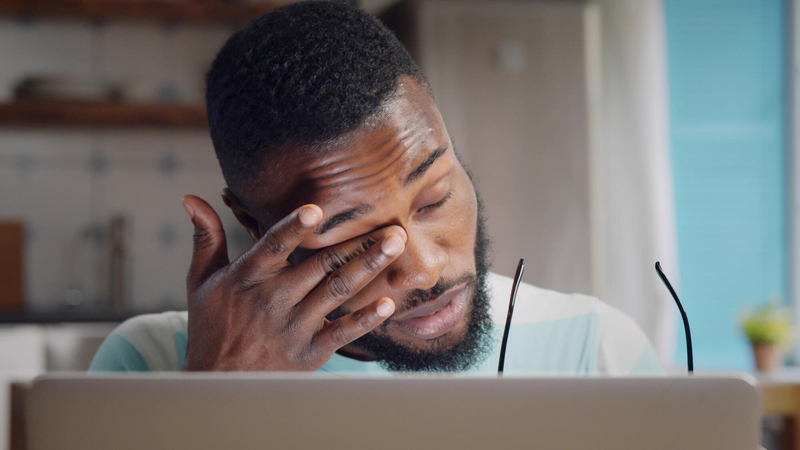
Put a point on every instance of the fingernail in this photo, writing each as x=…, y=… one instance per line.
x=404, y=236
x=391, y=245
x=386, y=308
x=188, y=208
x=309, y=217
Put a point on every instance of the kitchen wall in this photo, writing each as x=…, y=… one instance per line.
x=65, y=184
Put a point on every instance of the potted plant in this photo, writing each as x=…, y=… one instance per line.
x=770, y=331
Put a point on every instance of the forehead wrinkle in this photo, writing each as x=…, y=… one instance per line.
x=356, y=180
x=337, y=157
x=413, y=133
x=438, y=152
x=335, y=180
x=348, y=169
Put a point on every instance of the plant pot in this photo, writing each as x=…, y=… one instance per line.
x=767, y=356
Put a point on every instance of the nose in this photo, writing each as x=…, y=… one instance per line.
x=420, y=265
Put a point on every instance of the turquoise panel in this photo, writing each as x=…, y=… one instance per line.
x=727, y=123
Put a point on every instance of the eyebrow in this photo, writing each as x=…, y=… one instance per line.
x=350, y=214
x=360, y=210
x=420, y=171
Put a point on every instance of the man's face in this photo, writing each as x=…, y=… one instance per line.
x=400, y=171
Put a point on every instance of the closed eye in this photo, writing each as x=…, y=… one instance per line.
x=439, y=203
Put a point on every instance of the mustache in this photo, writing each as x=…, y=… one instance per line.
x=417, y=297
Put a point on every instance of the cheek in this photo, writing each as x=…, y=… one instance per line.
x=461, y=223
x=456, y=230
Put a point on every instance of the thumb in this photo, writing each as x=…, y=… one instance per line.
x=210, y=252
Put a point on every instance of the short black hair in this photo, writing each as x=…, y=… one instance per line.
x=302, y=74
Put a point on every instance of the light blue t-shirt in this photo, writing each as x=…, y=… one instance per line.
x=552, y=334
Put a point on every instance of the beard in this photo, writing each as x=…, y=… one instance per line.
x=473, y=347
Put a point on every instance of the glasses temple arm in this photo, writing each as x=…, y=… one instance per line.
x=514, y=289
x=689, y=356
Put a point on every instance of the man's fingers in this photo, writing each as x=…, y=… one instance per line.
x=348, y=277
x=345, y=330
x=210, y=252
x=271, y=251
x=325, y=261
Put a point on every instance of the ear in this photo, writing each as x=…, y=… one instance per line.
x=243, y=215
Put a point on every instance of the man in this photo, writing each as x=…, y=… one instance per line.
x=369, y=250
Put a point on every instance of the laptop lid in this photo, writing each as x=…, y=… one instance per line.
x=212, y=411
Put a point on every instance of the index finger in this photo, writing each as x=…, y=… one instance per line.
x=275, y=246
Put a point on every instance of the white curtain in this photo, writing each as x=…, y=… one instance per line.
x=634, y=215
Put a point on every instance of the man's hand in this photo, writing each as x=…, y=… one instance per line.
x=260, y=312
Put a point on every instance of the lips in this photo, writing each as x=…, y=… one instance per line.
x=437, y=318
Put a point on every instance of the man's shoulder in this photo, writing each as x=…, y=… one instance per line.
x=535, y=304
x=165, y=322
x=149, y=342
x=620, y=346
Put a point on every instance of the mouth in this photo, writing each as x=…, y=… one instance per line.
x=435, y=318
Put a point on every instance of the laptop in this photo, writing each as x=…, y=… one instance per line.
x=290, y=411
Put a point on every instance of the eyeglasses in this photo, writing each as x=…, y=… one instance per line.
x=689, y=357
x=515, y=288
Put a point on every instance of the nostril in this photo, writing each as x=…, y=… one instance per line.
x=420, y=278
x=420, y=266
x=425, y=279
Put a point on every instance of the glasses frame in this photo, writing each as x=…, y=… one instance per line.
x=514, y=289
x=513, y=299
x=689, y=356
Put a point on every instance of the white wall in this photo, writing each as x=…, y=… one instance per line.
x=567, y=139
x=522, y=127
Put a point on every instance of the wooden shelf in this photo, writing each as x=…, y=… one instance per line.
x=213, y=11
x=68, y=113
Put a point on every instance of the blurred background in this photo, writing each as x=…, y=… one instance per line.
x=604, y=135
